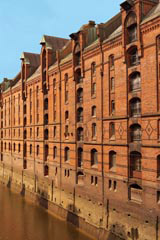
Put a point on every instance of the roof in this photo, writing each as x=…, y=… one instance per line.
x=54, y=43
x=31, y=58
x=155, y=12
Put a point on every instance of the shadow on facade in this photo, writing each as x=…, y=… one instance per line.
x=117, y=229
x=23, y=190
x=9, y=182
x=42, y=198
x=72, y=217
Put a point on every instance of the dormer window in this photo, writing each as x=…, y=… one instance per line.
x=77, y=53
x=131, y=28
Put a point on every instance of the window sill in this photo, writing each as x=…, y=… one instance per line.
x=93, y=96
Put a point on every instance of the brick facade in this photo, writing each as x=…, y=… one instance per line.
x=83, y=120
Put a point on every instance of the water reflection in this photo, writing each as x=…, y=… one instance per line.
x=22, y=221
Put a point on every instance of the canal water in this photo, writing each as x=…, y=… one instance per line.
x=20, y=220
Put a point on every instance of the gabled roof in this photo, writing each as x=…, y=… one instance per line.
x=153, y=13
x=31, y=58
x=52, y=42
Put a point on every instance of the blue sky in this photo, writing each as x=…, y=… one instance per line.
x=23, y=22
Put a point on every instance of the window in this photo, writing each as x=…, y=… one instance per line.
x=93, y=88
x=46, y=152
x=30, y=132
x=30, y=149
x=131, y=27
x=37, y=91
x=158, y=196
x=37, y=131
x=66, y=115
x=5, y=146
x=112, y=131
x=135, y=132
x=46, y=104
x=14, y=147
x=111, y=61
x=94, y=111
x=135, y=161
x=135, y=107
x=19, y=147
x=66, y=131
x=54, y=152
x=46, y=170
x=80, y=157
x=9, y=146
x=80, y=115
x=135, y=81
x=54, y=83
x=66, y=152
x=94, y=157
x=25, y=109
x=46, y=134
x=46, y=119
x=112, y=161
x=37, y=151
x=77, y=55
x=112, y=107
x=158, y=166
x=133, y=58
x=135, y=193
x=92, y=180
x=80, y=95
x=112, y=84
x=66, y=87
x=94, y=130
x=78, y=76
x=54, y=131
x=93, y=69
x=80, y=134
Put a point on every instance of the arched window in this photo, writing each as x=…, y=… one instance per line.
x=94, y=111
x=78, y=76
x=37, y=150
x=94, y=157
x=46, y=134
x=25, y=109
x=158, y=166
x=80, y=134
x=46, y=104
x=93, y=69
x=54, y=152
x=66, y=152
x=135, y=107
x=135, y=81
x=93, y=88
x=80, y=157
x=14, y=147
x=133, y=58
x=46, y=119
x=77, y=55
x=112, y=107
x=135, y=161
x=80, y=114
x=80, y=95
x=25, y=121
x=46, y=152
x=135, y=132
x=111, y=61
x=94, y=130
x=131, y=27
x=66, y=115
x=19, y=147
x=30, y=149
x=66, y=87
x=112, y=131
x=112, y=161
x=46, y=170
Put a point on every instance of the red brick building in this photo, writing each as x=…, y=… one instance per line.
x=80, y=124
